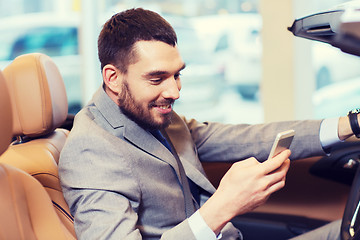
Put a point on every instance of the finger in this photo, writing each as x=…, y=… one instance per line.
x=279, y=174
x=275, y=187
x=247, y=162
x=276, y=162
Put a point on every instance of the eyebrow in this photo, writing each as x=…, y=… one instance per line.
x=160, y=73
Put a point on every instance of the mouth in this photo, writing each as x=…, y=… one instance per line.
x=163, y=108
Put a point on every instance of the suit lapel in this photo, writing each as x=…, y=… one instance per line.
x=144, y=140
x=148, y=143
x=186, y=150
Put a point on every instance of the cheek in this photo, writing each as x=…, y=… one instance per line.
x=145, y=96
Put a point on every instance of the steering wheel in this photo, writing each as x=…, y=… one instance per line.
x=350, y=226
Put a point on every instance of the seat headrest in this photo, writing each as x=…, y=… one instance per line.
x=37, y=93
x=5, y=115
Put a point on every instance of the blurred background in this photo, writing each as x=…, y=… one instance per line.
x=243, y=66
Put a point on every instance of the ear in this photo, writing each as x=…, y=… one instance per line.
x=112, y=78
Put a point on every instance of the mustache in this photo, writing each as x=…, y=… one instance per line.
x=162, y=102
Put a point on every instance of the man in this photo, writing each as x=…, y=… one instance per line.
x=131, y=168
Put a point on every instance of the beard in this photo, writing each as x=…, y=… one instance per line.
x=140, y=113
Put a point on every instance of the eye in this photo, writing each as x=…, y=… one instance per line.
x=156, y=81
x=177, y=76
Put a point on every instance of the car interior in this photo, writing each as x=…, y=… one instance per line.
x=34, y=123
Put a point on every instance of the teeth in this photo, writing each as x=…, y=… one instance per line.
x=164, y=107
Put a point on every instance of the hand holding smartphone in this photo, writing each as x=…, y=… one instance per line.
x=282, y=142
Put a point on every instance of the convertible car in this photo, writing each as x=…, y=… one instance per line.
x=34, y=124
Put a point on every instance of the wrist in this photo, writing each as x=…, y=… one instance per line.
x=344, y=128
x=214, y=215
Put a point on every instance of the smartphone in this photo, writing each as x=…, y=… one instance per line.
x=282, y=142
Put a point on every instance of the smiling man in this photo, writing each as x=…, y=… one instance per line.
x=131, y=167
x=155, y=80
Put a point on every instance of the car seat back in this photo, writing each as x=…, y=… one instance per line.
x=39, y=106
x=5, y=115
x=26, y=209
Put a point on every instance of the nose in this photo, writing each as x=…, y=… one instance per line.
x=172, y=89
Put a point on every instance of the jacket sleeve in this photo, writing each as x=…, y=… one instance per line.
x=226, y=142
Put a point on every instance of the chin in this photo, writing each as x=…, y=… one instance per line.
x=164, y=123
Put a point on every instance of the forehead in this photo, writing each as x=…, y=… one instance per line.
x=156, y=55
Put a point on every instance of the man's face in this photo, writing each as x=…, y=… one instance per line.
x=152, y=84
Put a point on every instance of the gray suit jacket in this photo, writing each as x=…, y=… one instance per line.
x=121, y=183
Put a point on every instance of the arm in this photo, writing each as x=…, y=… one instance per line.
x=243, y=141
x=106, y=215
x=89, y=181
x=213, y=210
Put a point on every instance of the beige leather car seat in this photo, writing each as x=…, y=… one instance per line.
x=26, y=209
x=39, y=106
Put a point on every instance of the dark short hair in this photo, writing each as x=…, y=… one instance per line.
x=120, y=33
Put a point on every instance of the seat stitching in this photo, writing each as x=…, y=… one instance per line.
x=71, y=218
